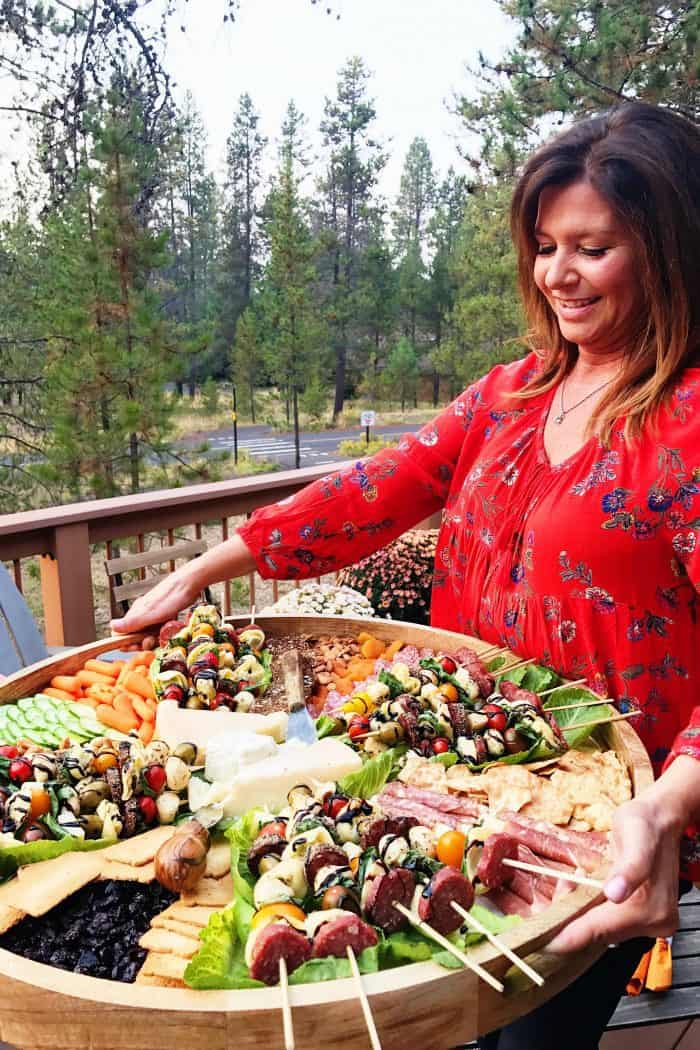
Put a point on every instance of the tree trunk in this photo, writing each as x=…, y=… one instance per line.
x=436, y=388
x=252, y=403
x=340, y=367
x=134, y=461
x=297, y=447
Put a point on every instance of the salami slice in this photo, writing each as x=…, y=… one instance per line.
x=580, y=849
x=396, y=887
x=349, y=931
x=169, y=630
x=490, y=869
x=379, y=827
x=278, y=941
x=323, y=855
x=465, y=807
x=517, y=695
x=410, y=656
x=425, y=815
x=435, y=902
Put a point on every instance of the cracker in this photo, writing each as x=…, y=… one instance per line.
x=113, y=869
x=162, y=964
x=218, y=861
x=159, y=982
x=141, y=849
x=211, y=892
x=40, y=887
x=160, y=940
x=420, y=773
x=185, y=929
x=9, y=916
x=195, y=915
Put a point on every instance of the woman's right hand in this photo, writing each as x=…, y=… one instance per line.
x=164, y=602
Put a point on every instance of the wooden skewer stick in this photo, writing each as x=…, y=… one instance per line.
x=602, y=722
x=555, y=873
x=448, y=946
x=575, y=707
x=493, y=650
x=514, y=667
x=364, y=1001
x=475, y=924
x=286, y=1008
x=252, y=613
x=564, y=685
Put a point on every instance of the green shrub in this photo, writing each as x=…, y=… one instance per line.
x=354, y=447
x=398, y=579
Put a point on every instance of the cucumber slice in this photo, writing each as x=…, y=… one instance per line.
x=13, y=716
x=26, y=703
x=49, y=701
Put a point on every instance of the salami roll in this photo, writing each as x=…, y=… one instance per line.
x=334, y=938
x=396, y=887
x=323, y=855
x=490, y=869
x=278, y=941
x=435, y=902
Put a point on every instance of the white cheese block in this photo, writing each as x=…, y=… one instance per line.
x=175, y=725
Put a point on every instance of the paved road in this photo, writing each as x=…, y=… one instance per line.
x=316, y=446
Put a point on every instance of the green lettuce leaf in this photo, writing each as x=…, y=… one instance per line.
x=326, y=726
x=266, y=661
x=568, y=720
x=393, y=684
x=13, y=857
x=330, y=968
x=373, y=775
x=220, y=962
x=446, y=759
x=410, y=945
x=535, y=678
x=241, y=835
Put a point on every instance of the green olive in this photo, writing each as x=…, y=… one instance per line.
x=187, y=752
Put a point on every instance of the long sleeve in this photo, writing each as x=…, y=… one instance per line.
x=345, y=516
x=686, y=545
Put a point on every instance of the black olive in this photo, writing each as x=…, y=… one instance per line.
x=340, y=897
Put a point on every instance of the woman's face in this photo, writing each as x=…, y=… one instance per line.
x=586, y=267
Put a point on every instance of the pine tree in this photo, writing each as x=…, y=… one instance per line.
x=247, y=357
x=400, y=375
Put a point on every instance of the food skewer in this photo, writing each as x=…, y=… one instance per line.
x=364, y=1001
x=514, y=667
x=286, y=1008
x=555, y=873
x=493, y=651
x=575, y=707
x=601, y=722
x=428, y=930
x=564, y=685
x=475, y=924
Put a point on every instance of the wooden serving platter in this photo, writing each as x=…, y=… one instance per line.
x=43, y=1008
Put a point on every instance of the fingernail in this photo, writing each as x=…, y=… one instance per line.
x=616, y=889
x=558, y=945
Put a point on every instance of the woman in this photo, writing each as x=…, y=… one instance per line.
x=570, y=482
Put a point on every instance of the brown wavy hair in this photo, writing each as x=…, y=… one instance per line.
x=645, y=162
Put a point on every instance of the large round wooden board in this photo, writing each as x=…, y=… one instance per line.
x=415, y=1006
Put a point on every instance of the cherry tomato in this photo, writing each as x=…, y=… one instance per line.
x=273, y=827
x=149, y=809
x=40, y=804
x=20, y=771
x=498, y=720
x=449, y=691
x=8, y=751
x=440, y=745
x=450, y=848
x=358, y=727
x=155, y=777
x=332, y=804
x=104, y=762
x=448, y=665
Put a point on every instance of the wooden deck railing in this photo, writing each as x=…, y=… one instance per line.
x=65, y=538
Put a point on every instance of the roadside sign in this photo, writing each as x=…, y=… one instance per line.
x=234, y=417
x=368, y=418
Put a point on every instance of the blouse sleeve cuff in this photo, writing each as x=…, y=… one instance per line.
x=687, y=742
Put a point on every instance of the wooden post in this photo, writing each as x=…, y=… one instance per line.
x=66, y=586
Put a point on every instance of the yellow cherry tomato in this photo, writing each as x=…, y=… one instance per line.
x=204, y=629
x=358, y=704
x=273, y=912
x=449, y=691
x=450, y=848
x=40, y=804
x=104, y=762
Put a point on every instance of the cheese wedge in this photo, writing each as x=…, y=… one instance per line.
x=177, y=725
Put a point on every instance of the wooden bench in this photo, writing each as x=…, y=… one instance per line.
x=120, y=593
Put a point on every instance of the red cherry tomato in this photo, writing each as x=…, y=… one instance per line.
x=358, y=727
x=20, y=771
x=498, y=721
x=155, y=777
x=149, y=810
x=8, y=751
x=440, y=745
x=448, y=665
x=333, y=804
x=273, y=827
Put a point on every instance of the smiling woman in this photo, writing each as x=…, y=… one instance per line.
x=570, y=483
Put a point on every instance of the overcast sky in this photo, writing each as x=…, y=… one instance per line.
x=417, y=50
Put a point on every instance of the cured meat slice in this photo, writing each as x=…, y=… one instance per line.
x=348, y=931
x=526, y=885
x=517, y=695
x=435, y=902
x=465, y=807
x=410, y=656
x=425, y=815
x=379, y=827
x=278, y=941
x=323, y=855
x=396, y=887
x=509, y=903
x=580, y=849
x=490, y=869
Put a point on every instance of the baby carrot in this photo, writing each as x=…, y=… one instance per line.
x=59, y=694
x=143, y=710
x=143, y=658
x=68, y=683
x=393, y=649
x=102, y=667
x=146, y=732
x=136, y=683
x=93, y=678
x=104, y=694
x=116, y=719
x=122, y=702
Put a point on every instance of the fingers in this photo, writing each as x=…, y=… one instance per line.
x=635, y=845
x=611, y=923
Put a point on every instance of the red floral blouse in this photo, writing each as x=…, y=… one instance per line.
x=592, y=566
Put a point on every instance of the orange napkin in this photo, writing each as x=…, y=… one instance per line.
x=638, y=978
x=660, y=972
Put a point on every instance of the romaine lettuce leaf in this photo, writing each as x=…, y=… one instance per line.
x=535, y=678
x=13, y=857
x=241, y=835
x=326, y=726
x=568, y=720
x=330, y=968
x=374, y=774
x=446, y=759
x=220, y=962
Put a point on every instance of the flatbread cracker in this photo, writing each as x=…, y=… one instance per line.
x=40, y=887
x=218, y=861
x=160, y=940
x=9, y=917
x=211, y=892
x=420, y=773
x=508, y=787
x=162, y=964
x=548, y=803
x=461, y=779
x=141, y=849
x=159, y=982
x=187, y=911
x=113, y=869
x=185, y=929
